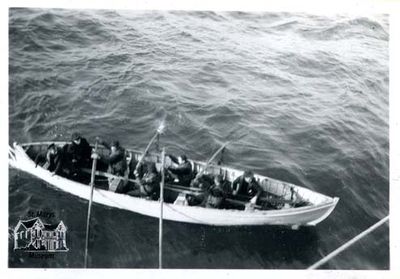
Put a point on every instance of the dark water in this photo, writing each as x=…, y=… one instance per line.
x=310, y=93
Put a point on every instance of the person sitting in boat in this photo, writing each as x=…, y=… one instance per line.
x=151, y=180
x=181, y=170
x=149, y=185
x=245, y=186
x=53, y=159
x=217, y=192
x=116, y=160
x=78, y=153
x=117, y=165
x=203, y=182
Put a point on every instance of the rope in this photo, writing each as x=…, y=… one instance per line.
x=348, y=243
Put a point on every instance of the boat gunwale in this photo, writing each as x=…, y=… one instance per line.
x=244, y=217
x=231, y=169
x=242, y=213
x=328, y=200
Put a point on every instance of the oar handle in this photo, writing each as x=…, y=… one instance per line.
x=212, y=158
x=245, y=204
x=94, y=162
x=109, y=175
x=147, y=150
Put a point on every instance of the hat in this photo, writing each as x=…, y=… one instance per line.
x=75, y=136
x=184, y=158
x=51, y=146
x=115, y=143
x=248, y=173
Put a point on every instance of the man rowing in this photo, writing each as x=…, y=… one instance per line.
x=78, y=154
x=149, y=185
x=201, y=181
x=181, y=170
x=116, y=159
x=217, y=192
x=54, y=159
x=245, y=186
x=117, y=165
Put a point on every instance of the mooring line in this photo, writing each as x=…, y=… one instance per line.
x=348, y=243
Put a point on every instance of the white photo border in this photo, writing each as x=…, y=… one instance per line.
x=390, y=7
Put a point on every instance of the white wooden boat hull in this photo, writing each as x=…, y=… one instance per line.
x=307, y=215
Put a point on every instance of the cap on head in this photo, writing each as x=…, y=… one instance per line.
x=184, y=158
x=115, y=143
x=248, y=173
x=75, y=136
x=51, y=146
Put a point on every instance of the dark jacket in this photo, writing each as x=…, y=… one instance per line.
x=80, y=153
x=202, y=182
x=246, y=189
x=116, y=161
x=216, y=194
x=56, y=161
x=183, y=171
x=151, y=183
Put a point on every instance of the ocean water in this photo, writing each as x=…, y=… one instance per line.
x=303, y=97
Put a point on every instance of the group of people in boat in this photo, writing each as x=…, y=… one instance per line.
x=75, y=157
x=221, y=193
x=218, y=190
x=67, y=160
x=127, y=176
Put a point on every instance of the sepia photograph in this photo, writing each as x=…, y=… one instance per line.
x=183, y=139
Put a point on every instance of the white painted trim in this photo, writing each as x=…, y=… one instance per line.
x=191, y=214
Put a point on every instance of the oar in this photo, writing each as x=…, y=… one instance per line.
x=188, y=191
x=90, y=202
x=109, y=175
x=159, y=131
x=193, y=189
x=272, y=199
x=209, y=162
x=212, y=158
x=176, y=188
x=267, y=199
x=245, y=204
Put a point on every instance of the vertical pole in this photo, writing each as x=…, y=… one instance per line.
x=90, y=205
x=158, y=143
x=160, y=229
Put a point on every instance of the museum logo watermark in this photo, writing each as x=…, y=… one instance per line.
x=38, y=238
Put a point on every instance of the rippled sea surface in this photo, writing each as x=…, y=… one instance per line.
x=310, y=94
